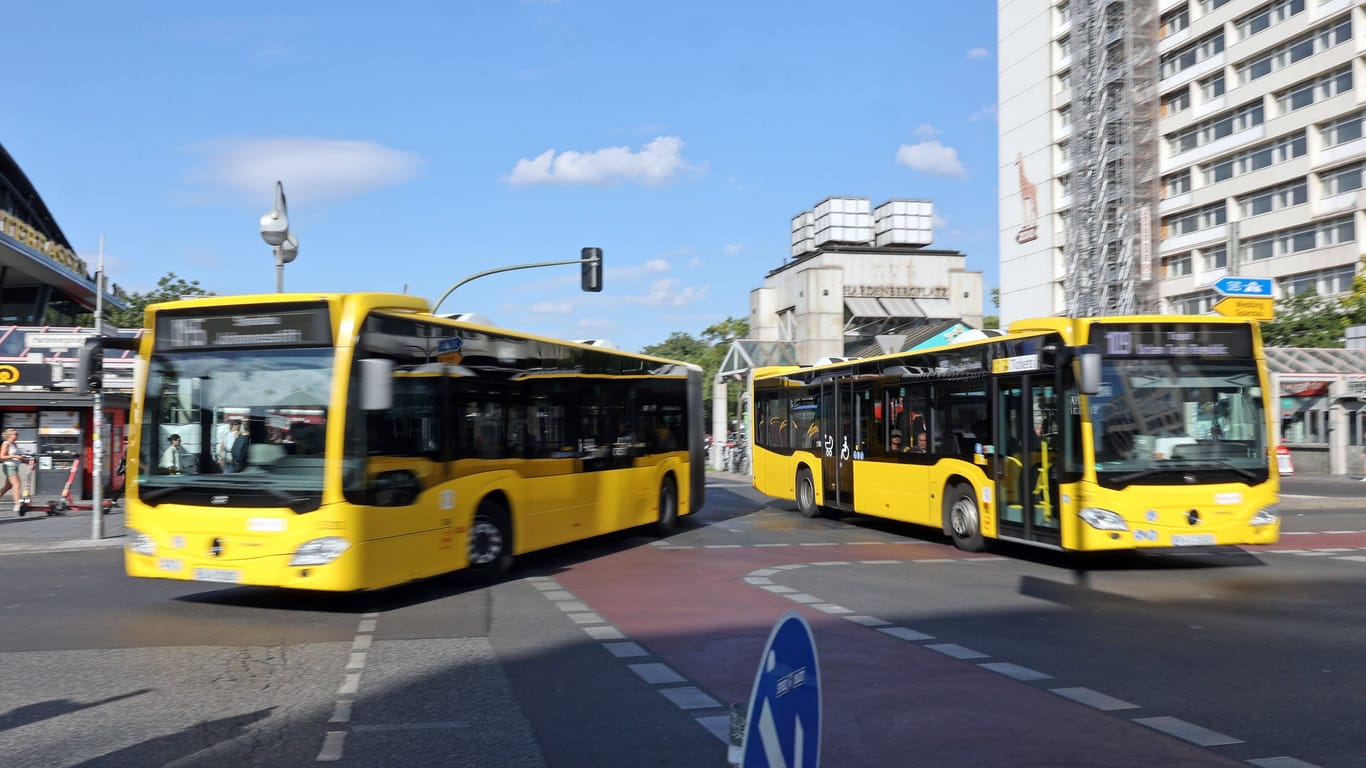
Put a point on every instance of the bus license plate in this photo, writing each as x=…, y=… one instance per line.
x=1193, y=540
x=220, y=575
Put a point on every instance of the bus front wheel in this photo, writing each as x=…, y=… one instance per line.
x=668, y=507
x=806, y=494
x=965, y=521
x=490, y=547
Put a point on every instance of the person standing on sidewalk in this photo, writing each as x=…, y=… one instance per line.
x=9, y=460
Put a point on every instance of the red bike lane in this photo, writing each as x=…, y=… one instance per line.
x=885, y=701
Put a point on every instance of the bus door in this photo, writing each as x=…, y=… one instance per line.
x=1027, y=451
x=840, y=438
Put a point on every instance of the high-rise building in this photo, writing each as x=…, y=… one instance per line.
x=1150, y=147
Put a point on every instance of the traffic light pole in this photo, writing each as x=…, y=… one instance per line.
x=97, y=417
x=592, y=257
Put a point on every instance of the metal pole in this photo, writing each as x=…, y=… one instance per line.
x=279, y=271
x=97, y=417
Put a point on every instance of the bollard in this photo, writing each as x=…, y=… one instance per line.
x=735, y=753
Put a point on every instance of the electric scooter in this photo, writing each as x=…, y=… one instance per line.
x=64, y=503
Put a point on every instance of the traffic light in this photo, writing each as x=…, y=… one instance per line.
x=591, y=265
x=90, y=367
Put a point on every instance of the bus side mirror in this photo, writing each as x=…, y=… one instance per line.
x=376, y=384
x=1088, y=370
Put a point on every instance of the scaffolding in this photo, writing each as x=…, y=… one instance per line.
x=1110, y=242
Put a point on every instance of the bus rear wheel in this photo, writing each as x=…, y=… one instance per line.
x=806, y=494
x=668, y=507
x=490, y=542
x=965, y=521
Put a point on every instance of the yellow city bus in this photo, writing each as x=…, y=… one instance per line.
x=1072, y=434
x=381, y=443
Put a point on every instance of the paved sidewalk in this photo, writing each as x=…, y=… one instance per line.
x=39, y=532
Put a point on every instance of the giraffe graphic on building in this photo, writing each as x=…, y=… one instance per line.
x=1029, y=201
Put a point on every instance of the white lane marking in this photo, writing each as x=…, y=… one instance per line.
x=625, y=650
x=758, y=580
x=558, y=594
x=361, y=643
x=366, y=625
x=572, y=606
x=779, y=589
x=957, y=651
x=905, y=634
x=1093, y=699
x=587, y=617
x=604, y=633
x=1015, y=671
x=831, y=608
x=689, y=697
x=832, y=562
x=411, y=726
x=342, y=712
x=718, y=725
x=656, y=673
x=1353, y=558
x=332, y=747
x=357, y=661
x=349, y=685
x=1280, y=762
x=868, y=621
x=1175, y=726
x=803, y=598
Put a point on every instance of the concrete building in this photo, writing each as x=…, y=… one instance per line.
x=860, y=281
x=1148, y=148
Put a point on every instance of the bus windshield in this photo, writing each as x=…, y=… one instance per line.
x=1200, y=420
x=237, y=428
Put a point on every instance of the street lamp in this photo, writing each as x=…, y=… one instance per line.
x=275, y=231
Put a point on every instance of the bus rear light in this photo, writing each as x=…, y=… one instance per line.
x=1266, y=516
x=141, y=543
x=320, y=551
x=1103, y=519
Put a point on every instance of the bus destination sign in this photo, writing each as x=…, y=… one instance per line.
x=1174, y=340
x=279, y=326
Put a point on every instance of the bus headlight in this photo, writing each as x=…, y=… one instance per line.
x=1103, y=519
x=320, y=551
x=141, y=543
x=1266, y=516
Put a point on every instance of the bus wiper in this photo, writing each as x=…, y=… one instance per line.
x=299, y=504
x=1132, y=476
x=1245, y=472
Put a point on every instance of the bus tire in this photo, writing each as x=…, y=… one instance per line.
x=668, y=507
x=964, y=519
x=490, y=541
x=806, y=494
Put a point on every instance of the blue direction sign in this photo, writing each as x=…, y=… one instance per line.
x=1244, y=287
x=783, y=724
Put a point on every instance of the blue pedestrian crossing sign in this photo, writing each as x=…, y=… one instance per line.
x=1244, y=287
x=783, y=722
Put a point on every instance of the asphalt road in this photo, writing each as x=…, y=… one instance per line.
x=629, y=650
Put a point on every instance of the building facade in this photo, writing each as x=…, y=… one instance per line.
x=47, y=304
x=1149, y=148
x=861, y=281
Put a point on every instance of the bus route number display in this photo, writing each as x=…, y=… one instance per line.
x=1177, y=340
x=279, y=327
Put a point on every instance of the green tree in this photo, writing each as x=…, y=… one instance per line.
x=1354, y=304
x=708, y=353
x=1305, y=320
x=993, y=321
x=169, y=288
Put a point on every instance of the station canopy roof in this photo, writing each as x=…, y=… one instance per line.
x=1302, y=360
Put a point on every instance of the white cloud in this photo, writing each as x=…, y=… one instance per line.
x=930, y=157
x=594, y=322
x=655, y=163
x=987, y=112
x=732, y=249
x=312, y=169
x=656, y=265
x=553, y=307
x=669, y=292
x=978, y=53
x=926, y=130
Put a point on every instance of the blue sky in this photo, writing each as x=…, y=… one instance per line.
x=422, y=142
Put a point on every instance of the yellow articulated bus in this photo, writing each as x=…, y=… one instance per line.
x=356, y=441
x=1073, y=434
